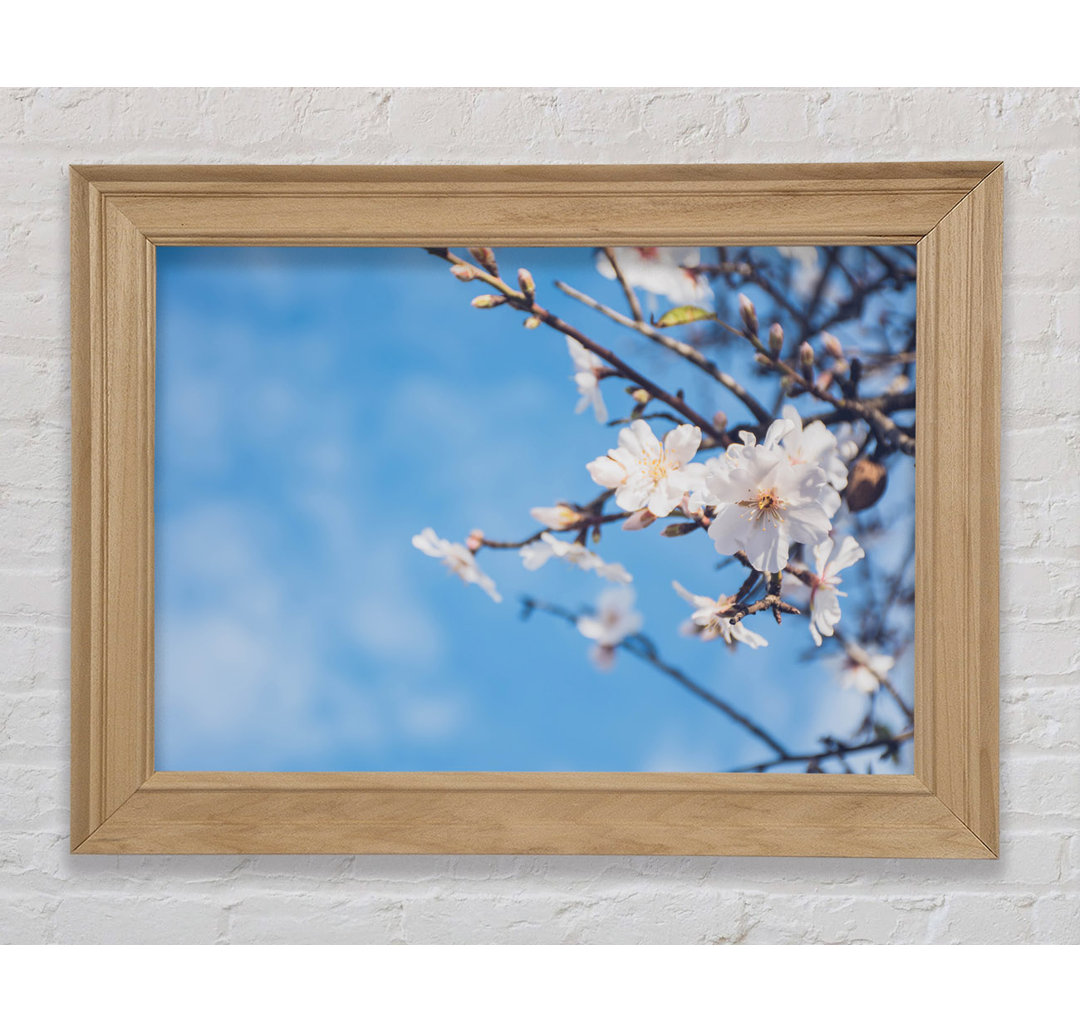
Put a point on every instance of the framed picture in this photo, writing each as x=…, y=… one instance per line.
x=624, y=509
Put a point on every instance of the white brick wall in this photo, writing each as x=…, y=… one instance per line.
x=1031, y=895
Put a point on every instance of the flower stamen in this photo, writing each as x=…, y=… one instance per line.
x=766, y=504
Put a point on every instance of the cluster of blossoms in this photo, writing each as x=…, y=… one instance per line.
x=757, y=500
x=458, y=558
x=588, y=370
x=712, y=619
x=613, y=621
x=536, y=554
x=673, y=272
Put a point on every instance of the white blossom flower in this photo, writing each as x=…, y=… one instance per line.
x=536, y=554
x=586, y=375
x=558, y=518
x=457, y=558
x=668, y=271
x=615, y=619
x=865, y=674
x=829, y=560
x=648, y=474
x=711, y=619
x=763, y=503
x=815, y=443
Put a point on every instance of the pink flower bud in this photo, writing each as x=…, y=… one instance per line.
x=776, y=338
x=463, y=272
x=603, y=657
x=832, y=346
x=486, y=257
x=638, y=521
x=748, y=314
x=488, y=301
x=720, y=421
x=526, y=282
x=475, y=540
x=806, y=354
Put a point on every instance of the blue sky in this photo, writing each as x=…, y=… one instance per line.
x=318, y=407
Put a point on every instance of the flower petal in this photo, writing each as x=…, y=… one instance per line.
x=849, y=553
x=607, y=472
x=430, y=544
x=727, y=530
x=765, y=547
x=682, y=443
x=665, y=497
x=634, y=494
x=777, y=429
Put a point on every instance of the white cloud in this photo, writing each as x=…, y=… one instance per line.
x=672, y=751
x=430, y=717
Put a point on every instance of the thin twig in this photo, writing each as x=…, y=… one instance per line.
x=687, y=351
x=884, y=428
x=631, y=297
x=643, y=649
x=583, y=524
x=886, y=742
x=519, y=301
x=897, y=402
x=858, y=655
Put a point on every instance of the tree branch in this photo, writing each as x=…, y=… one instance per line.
x=643, y=649
x=519, y=301
x=687, y=351
x=841, y=749
x=884, y=428
x=631, y=297
x=858, y=654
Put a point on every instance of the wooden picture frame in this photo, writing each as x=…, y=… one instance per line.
x=947, y=808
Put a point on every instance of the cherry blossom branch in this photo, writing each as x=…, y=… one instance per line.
x=773, y=601
x=770, y=601
x=587, y=521
x=853, y=306
x=887, y=403
x=687, y=351
x=751, y=275
x=858, y=655
x=643, y=649
x=631, y=297
x=884, y=428
x=523, y=302
x=854, y=651
x=889, y=743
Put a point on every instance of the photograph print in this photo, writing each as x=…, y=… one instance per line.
x=535, y=509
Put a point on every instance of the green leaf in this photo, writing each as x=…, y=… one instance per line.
x=684, y=314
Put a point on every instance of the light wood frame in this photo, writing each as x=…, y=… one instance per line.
x=947, y=808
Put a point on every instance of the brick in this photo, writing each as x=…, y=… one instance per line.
x=979, y=918
x=99, y=918
x=1044, y=785
x=317, y=917
x=1046, y=718
x=1057, y=918
x=793, y=919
